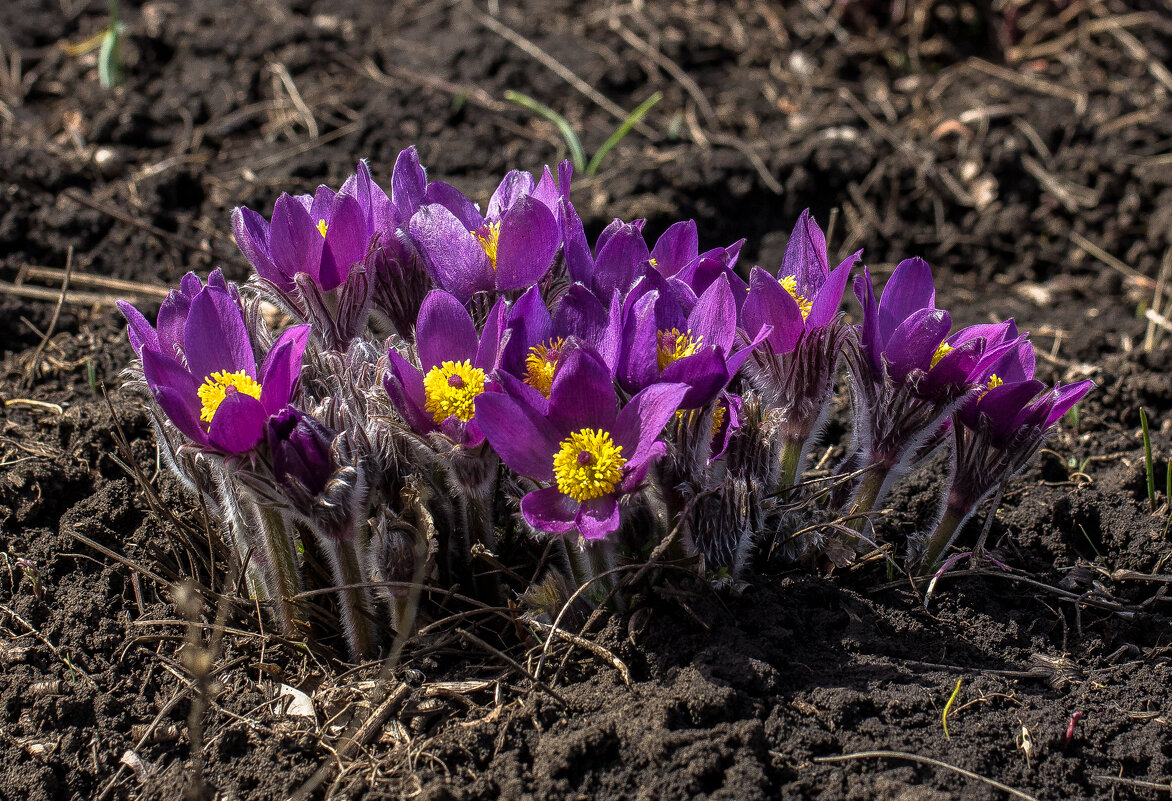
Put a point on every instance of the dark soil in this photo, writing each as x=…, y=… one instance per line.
x=1027, y=157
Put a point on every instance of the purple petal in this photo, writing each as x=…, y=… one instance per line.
x=619, y=260
x=445, y=331
x=714, y=317
x=404, y=385
x=515, y=185
x=528, y=242
x=826, y=301
x=458, y=263
x=547, y=191
x=282, y=367
x=1002, y=405
x=175, y=390
x=954, y=368
x=215, y=337
x=769, y=304
x=1063, y=398
x=525, y=440
x=597, y=518
x=706, y=374
x=140, y=332
x=322, y=206
x=679, y=244
x=529, y=324
x=869, y=330
x=178, y=408
x=408, y=184
x=638, y=355
x=454, y=201
x=735, y=361
x=252, y=237
x=488, y=353
x=239, y=423
x=172, y=321
x=346, y=243
x=643, y=418
x=579, y=262
x=549, y=510
x=190, y=285
x=914, y=342
x=910, y=288
x=295, y=242
x=582, y=394
x=805, y=256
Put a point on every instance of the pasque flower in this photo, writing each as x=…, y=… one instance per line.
x=457, y=366
x=199, y=365
x=663, y=344
x=589, y=450
x=796, y=364
x=995, y=435
x=300, y=449
x=322, y=235
x=619, y=258
x=510, y=247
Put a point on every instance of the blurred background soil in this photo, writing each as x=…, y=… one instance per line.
x=1023, y=148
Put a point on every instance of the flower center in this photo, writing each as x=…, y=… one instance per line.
x=450, y=390
x=940, y=353
x=994, y=381
x=489, y=236
x=673, y=346
x=541, y=364
x=718, y=416
x=220, y=385
x=790, y=285
x=588, y=465
x=322, y=227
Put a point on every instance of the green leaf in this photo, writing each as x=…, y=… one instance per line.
x=577, y=155
x=624, y=128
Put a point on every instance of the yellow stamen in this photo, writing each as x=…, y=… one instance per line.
x=588, y=465
x=672, y=346
x=653, y=262
x=220, y=385
x=322, y=227
x=450, y=390
x=941, y=352
x=541, y=364
x=489, y=237
x=790, y=285
x=718, y=416
x=994, y=381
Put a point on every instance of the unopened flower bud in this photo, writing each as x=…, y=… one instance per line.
x=300, y=446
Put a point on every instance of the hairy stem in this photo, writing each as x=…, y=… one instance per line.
x=791, y=460
x=281, y=565
x=946, y=530
x=353, y=601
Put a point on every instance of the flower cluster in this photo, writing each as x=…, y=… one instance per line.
x=447, y=386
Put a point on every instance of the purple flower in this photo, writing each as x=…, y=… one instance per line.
x=508, y=248
x=590, y=451
x=726, y=422
x=804, y=296
x=300, y=449
x=662, y=344
x=995, y=435
x=321, y=236
x=199, y=365
x=537, y=340
x=619, y=258
x=677, y=255
x=457, y=364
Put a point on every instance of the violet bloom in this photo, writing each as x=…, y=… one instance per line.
x=677, y=255
x=796, y=365
x=538, y=339
x=322, y=235
x=591, y=452
x=300, y=449
x=510, y=247
x=456, y=369
x=662, y=344
x=199, y=365
x=909, y=374
x=619, y=258
x=996, y=434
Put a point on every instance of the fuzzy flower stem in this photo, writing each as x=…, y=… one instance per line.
x=950, y=523
x=353, y=601
x=602, y=559
x=284, y=580
x=791, y=459
x=867, y=496
x=580, y=568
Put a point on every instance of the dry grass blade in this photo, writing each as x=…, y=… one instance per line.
x=1005, y=788
x=1133, y=275
x=513, y=663
x=52, y=648
x=592, y=647
x=31, y=373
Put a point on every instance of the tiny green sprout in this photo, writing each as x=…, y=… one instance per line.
x=948, y=707
x=459, y=101
x=91, y=374
x=1149, y=469
x=572, y=140
x=1072, y=417
x=110, y=68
